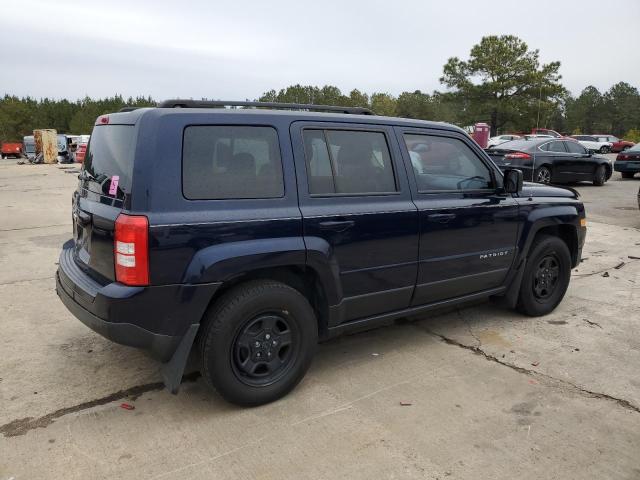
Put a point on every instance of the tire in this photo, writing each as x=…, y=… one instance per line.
x=541, y=291
x=604, y=149
x=543, y=175
x=600, y=176
x=627, y=174
x=270, y=314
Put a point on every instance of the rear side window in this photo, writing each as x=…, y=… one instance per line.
x=110, y=154
x=557, y=147
x=231, y=162
x=348, y=162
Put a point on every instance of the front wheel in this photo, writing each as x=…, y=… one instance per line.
x=257, y=342
x=543, y=175
x=600, y=176
x=546, y=276
x=605, y=149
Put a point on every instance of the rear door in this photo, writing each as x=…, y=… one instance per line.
x=356, y=206
x=103, y=191
x=468, y=228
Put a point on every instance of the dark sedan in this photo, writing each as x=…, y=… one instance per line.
x=628, y=162
x=546, y=160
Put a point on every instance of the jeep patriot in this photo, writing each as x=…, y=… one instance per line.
x=249, y=234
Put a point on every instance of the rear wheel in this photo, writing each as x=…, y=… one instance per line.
x=627, y=174
x=605, y=149
x=546, y=276
x=258, y=342
x=543, y=175
x=600, y=176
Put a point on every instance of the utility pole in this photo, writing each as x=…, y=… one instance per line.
x=539, y=102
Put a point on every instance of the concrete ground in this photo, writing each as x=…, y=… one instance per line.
x=475, y=393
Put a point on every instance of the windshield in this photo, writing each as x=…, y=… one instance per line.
x=635, y=148
x=108, y=164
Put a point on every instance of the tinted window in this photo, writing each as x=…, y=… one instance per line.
x=518, y=144
x=343, y=161
x=442, y=163
x=557, y=147
x=231, y=162
x=110, y=154
x=575, y=147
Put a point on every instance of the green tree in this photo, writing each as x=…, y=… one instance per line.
x=501, y=81
x=587, y=112
x=622, y=107
x=383, y=104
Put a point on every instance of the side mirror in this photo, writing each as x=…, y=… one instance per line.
x=512, y=181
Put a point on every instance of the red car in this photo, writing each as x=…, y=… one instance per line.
x=11, y=149
x=618, y=145
x=81, y=152
x=546, y=131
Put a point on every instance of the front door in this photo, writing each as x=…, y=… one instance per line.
x=356, y=206
x=468, y=228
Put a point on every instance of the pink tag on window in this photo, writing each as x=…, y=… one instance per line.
x=113, y=188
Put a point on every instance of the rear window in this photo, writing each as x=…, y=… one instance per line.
x=231, y=162
x=109, y=155
x=515, y=145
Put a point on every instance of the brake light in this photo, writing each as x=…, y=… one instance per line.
x=102, y=120
x=520, y=155
x=131, y=249
x=622, y=156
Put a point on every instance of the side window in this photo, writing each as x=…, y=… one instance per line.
x=442, y=163
x=348, y=161
x=231, y=162
x=575, y=147
x=557, y=147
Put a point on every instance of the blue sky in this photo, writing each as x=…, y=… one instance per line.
x=237, y=50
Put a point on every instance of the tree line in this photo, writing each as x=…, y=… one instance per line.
x=502, y=83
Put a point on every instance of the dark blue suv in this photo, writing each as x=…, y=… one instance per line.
x=254, y=232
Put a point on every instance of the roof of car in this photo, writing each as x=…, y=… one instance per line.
x=133, y=116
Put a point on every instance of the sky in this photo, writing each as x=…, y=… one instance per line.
x=239, y=49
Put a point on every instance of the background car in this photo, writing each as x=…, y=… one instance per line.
x=493, y=141
x=552, y=160
x=11, y=149
x=546, y=131
x=81, y=152
x=617, y=144
x=593, y=144
x=628, y=162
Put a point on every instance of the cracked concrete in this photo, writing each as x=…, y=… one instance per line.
x=493, y=394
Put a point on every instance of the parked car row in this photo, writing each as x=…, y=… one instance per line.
x=552, y=160
x=71, y=148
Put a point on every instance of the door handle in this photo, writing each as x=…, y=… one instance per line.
x=441, y=217
x=336, y=225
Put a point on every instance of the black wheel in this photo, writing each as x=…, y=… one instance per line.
x=600, y=176
x=546, y=276
x=543, y=175
x=257, y=342
x=627, y=174
x=604, y=149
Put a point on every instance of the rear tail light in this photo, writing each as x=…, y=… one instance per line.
x=519, y=155
x=622, y=156
x=102, y=120
x=131, y=249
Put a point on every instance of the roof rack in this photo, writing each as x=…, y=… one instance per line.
x=178, y=103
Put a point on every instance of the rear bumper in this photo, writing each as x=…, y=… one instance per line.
x=152, y=318
x=625, y=167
